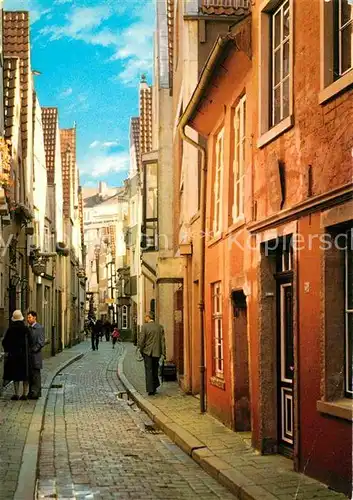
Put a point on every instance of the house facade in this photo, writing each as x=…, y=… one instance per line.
x=273, y=108
x=33, y=266
x=105, y=213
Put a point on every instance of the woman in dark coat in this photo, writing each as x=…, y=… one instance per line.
x=16, y=345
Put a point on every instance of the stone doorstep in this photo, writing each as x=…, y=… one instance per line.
x=243, y=487
x=27, y=479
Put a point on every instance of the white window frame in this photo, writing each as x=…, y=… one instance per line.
x=124, y=318
x=267, y=131
x=348, y=314
x=239, y=159
x=281, y=11
x=218, y=183
x=217, y=329
x=330, y=84
x=342, y=26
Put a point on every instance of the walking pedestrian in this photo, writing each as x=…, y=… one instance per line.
x=115, y=336
x=151, y=343
x=94, y=334
x=16, y=344
x=36, y=359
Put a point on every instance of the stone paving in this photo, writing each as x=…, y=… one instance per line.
x=96, y=445
x=15, y=419
x=272, y=476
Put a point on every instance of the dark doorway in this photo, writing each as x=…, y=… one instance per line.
x=241, y=363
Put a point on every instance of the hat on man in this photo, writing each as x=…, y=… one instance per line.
x=17, y=316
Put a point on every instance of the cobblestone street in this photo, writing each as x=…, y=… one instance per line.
x=95, y=445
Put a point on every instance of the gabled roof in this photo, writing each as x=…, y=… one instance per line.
x=16, y=43
x=170, y=22
x=50, y=122
x=145, y=118
x=68, y=164
x=11, y=87
x=135, y=139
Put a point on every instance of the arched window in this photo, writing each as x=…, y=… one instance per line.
x=124, y=318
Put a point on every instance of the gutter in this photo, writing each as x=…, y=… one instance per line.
x=187, y=116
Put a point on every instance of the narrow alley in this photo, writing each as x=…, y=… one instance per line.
x=95, y=445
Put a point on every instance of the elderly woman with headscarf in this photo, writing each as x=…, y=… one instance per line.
x=16, y=345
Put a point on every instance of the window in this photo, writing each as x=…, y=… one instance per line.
x=343, y=32
x=276, y=74
x=150, y=227
x=336, y=47
x=239, y=159
x=124, y=318
x=47, y=246
x=218, y=176
x=217, y=329
x=349, y=315
x=280, y=35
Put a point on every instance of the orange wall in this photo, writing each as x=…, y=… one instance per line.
x=325, y=442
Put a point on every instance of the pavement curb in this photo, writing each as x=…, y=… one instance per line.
x=224, y=473
x=27, y=479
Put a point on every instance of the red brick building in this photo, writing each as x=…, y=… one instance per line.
x=275, y=104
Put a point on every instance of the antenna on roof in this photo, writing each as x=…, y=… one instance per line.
x=75, y=124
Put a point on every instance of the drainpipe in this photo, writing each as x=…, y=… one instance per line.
x=189, y=112
x=202, y=150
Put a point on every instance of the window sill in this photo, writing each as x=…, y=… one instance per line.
x=336, y=87
x=236, y=225
x=276, y=131
x=214, y=240
x=341, y=408
x=218, y=382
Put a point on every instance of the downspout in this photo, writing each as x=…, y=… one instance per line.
x=203, y=183
x=189, y=112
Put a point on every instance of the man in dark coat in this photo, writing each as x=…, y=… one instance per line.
x=151, y=343
x=38, y=342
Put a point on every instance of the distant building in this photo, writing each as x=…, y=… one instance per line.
x=105, y=211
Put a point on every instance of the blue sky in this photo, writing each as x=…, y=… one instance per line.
x=91, y=54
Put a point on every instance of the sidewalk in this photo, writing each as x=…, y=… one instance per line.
x=224, y=454
x=20, y=426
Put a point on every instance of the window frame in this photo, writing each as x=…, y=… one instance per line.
x=124, y=318
x=218, y=183
x=217, y=327
x=330, y=86
x=338, y=28
x=268, y=132
x=276, y=48
x=239, y=166
x=348, y=311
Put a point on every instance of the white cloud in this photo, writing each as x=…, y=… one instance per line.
x=102, y=145
x=60, y=2
x=132, y=46
x=80, y=24
x=99, y=165
x=133, y=69
x=66, y=93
